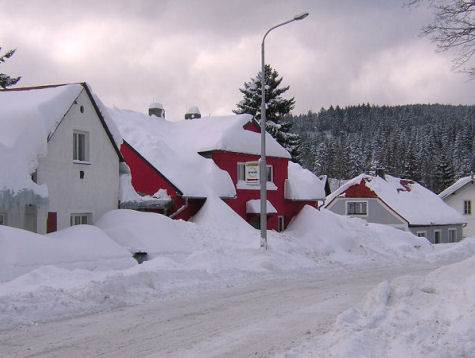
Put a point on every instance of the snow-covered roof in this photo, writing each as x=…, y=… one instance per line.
x=254, y=207
x=156, y=105
x=28, y=118
x=302, y=184
x=459, y=184
x=416, y=204
x=193, y=109
x=173, y=148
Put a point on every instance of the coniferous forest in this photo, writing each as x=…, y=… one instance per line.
x=432, y=144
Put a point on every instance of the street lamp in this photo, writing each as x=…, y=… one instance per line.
x=263, y=164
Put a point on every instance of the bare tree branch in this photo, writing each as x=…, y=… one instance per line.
x=453, y=28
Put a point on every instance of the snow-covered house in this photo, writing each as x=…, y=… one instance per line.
x=60, y=157
x=461, y=196
x=401, y=203
x=194, y=159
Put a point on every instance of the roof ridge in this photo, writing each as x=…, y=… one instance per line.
x=29, y=88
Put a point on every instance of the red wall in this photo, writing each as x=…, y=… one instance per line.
x=146, y=180
x=360, y=191
x=228, y=161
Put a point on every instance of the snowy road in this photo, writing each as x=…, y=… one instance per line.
x=257, y=320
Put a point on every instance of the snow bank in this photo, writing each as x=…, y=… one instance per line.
x=147, y=232
x=81, y=246
x=87, y=269
x=428, y=316
x=348, y=240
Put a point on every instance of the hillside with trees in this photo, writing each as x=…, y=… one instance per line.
x=432, y=144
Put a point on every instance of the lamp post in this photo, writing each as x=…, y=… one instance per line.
x=263, y=164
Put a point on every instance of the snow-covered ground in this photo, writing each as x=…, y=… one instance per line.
x=89, y=269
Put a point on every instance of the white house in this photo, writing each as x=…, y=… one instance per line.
x=401, y=203
x=461, y=196
x=59, y=155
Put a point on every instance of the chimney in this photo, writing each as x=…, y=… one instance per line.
x=156, y=110
x=192, y=113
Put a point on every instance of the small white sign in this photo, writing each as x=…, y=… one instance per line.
x=252, y=172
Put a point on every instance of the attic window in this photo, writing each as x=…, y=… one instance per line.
x=81, y=109
x=80, y=143
x=357, y=208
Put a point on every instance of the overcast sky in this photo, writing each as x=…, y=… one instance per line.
x=184, y=53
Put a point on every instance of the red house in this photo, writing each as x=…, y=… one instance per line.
x=197, y=158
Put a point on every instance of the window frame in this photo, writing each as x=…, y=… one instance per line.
x=361, y=202
x=449, y=238
x=80, y=156
x=270, y=173
x=280, y=223
x=80, y=216
x=440, y=236
x=241, y=171
x=421, y=234
x=467, y=207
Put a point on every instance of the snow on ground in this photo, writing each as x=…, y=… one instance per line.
x=87, y=269
x=431, y=316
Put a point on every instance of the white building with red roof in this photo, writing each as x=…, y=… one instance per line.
x=401, y=203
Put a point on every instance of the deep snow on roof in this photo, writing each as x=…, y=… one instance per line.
x=27, y=117
x=302, y=184
x=416, y=204
x=173, y=147
x=459, y=184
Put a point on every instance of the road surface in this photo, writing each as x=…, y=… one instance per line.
x=256, y=320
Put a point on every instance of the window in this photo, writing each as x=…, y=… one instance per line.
x=78, y=219
x=421, y=234
x=241, y=171
x=437, y=237
x=280, y=223
x=3, y=219
x=357, y=208
x=249, y=172
x=452, y=235
x=80, y=152
x=467, y=207
x=270, y=173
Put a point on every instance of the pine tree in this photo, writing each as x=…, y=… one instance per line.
x=444, y=174
x=5, y=80
x=277, y=108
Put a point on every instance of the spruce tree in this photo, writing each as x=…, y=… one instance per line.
x=5, y=80
x=277, y=108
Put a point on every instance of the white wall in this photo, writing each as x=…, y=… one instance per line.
x=456, y=202
x=98, y=191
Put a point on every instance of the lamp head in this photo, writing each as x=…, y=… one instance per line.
x=301, y=16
